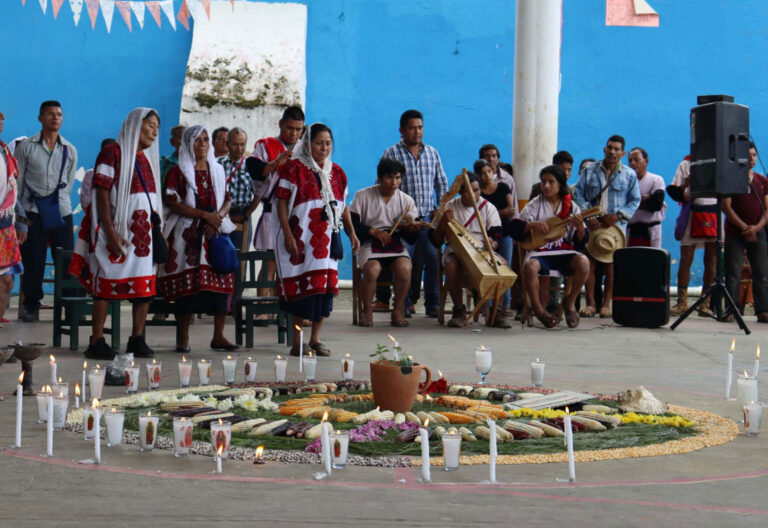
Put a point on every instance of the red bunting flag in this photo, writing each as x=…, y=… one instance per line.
x=207, y=7
x=125, y=11
x=233, y=5
x=56, y=7
x=154, y=9
x=183, y=15
x=93, y=11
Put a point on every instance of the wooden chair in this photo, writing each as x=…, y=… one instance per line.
x=159, y=305
x=76, y=308
x=565, y=289
x=246, y=307
x=358, y=303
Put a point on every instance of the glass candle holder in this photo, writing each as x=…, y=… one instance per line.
x=483, y=362
x=131, y=375
x=147, y=431
x=250, y=370
x=753, y=415
x=537, y=373
x=185, y=373
x=339, y=448
x=89, y=423
x=310, y=367
x=221, y=433
x=451, y=450
x=42, y=407
x=204, y=372
x=281, y=367
x=60, y=405
x=182, y=436
x=230, y=368
x=746, y=390
x=154, y=375
x=60, y=389
x=114, y=419
x=347, y=368
x=96, y=382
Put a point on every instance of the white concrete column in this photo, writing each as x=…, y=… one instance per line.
x=548, y=31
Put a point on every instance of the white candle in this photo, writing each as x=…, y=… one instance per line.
x=221, y=434
x=85, y=368
x=61, y=389
x=426, y=475
x=347, y=368
x=147, y=431
x=77, y=395
x=42, y=404
x=19, y=408
x=326, y=445
x=300, y=330
x=154, y=374
x=729, y=378
x=132, y=374
x=96, y=432
x=310, y=366
x=250, y=370
x=753, y=414
x=746, y=389
x=53, y=368
x=451, y=449
x=185, y=372
x=89, y=423
x=230, y=368
x=339, y=448
x=182, y=436
x=49, y=427
x=96, y=382
x=204, y=372
x=281, y=366
x=537, y=373
x=756, y=368
x=60, y=404
x=115, y=420
x=569, y=445
x=493, y=451
x=217, y=458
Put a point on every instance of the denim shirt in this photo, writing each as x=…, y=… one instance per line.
x=623, y=192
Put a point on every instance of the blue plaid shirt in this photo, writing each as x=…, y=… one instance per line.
x=623, y=191
x=424, y=179
x=239, y=186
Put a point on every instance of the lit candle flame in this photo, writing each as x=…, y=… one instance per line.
x=183, y=359
x=279, y=356
x=61, y=394
x=259, y=452
x=98, y=366
x=309, y=354
x=250, y=358
x=220, y=450
x=566, y=410
x=410, y=357
x=347, y=355
x=325, y=417
x=95, y=403
x=377, y=409
x=229, y=357
x=428, y=398
x=392, y=338
x=53, y=358
x=21, y=377
x=85, y=365
x=183, y=419
x=202, y=361
x=149, y=413
x=440, y=373
x=482, y=347
x=745, y=374
x=77, y=389
x=221, y=422
x=426, y=423
x=298, y=328
x=757, y=353
x=733, y=345
x=537, y=360
x=113, y=411
x=154, y=361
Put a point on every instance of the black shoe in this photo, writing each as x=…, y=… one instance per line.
x=431, y=311
x=99, y=349
x=228, y=347
x=31, y=315
x=139, y=347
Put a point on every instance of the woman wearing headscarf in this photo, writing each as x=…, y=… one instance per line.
x=113, y=252
x=10, y=256
x=311, y=208
x=197, y=203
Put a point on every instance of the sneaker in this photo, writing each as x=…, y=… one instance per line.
x=379, y=306
x=99, y=349
x=502, y=322
x=31, y=315
x=459, y=315
x=139, y=348
x=431, y=311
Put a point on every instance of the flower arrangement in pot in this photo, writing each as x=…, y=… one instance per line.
x=395, y=382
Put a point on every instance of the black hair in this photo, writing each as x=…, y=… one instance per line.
x=107, y=142
x=479, y=164
x=217, y=132
x=472, y=177
x=617, y=139
x=408, y=115
x=562, y=157
x=48, y=104
x=315, y=129
x=387, y=167
x=154, y=114
x=178, y=129
x=585, y=160
x=752, y=146
x=236, y=130
x=488, y=146
x=507, y=167
x=293, y=113
x=641, y=150
x=559, y=175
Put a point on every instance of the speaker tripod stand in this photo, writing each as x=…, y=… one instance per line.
x=717, y=290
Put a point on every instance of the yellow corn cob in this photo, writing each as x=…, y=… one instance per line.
x=548, y=429
x=423, y=416
x=312, y=412
x=314, y=432
x=247, y=425
x=512, y=425
x=437, y=417
x=261, y=430
x=591, y=425
x=456, y=418
x=467, y=435
x=412, y=418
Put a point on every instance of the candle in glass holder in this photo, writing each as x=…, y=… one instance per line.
x=89, y=422
x=147, y=431
x=281, y=365
x=60, y=404
x=347, y=368
x=182, y=436
x=753, y=415
x=132, y=378
x=483, y=362
x=96, y=381
x=154, y=374
x=451, y=449
x=746, y=389
x=61, y=388
x=114, y=419
x=339, y=449
x=250, y=370
x=204, y=372
x=230, y=367
x=310, y=366
x=185, y=372
x=52, y=362
x=221, y=433
x=42, y=404
x=537, y=373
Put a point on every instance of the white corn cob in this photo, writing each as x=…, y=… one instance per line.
x=314, y=432
x=548, y=429
x=438, y=418
x=261, y=430
x=247, y=425
x=602, y=418
x=467, y=435
x=599, y=409
x=412, y=418
x=591, y=425
x=482, y=392
x=512, y=425
x=399, y=418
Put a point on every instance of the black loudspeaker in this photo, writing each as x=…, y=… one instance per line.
x=641, y=287
x=719, y=147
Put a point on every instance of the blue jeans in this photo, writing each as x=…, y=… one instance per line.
x=506, y=245
x=423, y=258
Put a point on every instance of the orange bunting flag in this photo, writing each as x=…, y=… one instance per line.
x=154, y=10
x=183, y=15
x=207, y=7
x=93, y=11
x=56, y=6
x=125, y=11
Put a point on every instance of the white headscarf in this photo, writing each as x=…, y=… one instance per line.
x=303, y=152
x=128, y=139
x=187, y=167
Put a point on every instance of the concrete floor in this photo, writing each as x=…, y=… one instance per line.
x=718, y=486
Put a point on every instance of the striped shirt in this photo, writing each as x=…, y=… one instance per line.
x=238, y=181
x=424, y=179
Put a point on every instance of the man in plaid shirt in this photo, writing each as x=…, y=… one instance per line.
x=238, y=183
x=424, y=181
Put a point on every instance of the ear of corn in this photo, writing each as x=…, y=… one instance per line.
x=611, y=421
x=591, y=425
x=264, y=429
x=467, y=435
x=422, y=416
x=399, y=418
x=439, y=431
x=456, y=418
x=503, y=434
x=548, y=429
x=483, y=432
x=247, y=425
x=599, y=409
x=412, y=418
x=512, y=425
x=314, y=432
x=438, y=418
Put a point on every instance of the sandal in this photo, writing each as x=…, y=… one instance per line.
x=399, y=323
x=365, y=322
x=183, y=349
x=295, y=349
x=547, y=319
x=605, y=313
x=320, y=349
x=572, y=318
x=588, y=311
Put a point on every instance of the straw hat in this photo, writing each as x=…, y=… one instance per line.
x=603, y=242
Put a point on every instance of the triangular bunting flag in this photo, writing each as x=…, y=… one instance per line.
x=125, y=11
x=77, y=7
x=233, y=5
x=93, y=11
x=167, y=7
x=183, y=15
x=43, y=5
x=192, y=6
x=56, y=6
x=23, y=2
x=138, y=10
x=107, y=10
x=154, y=10
x=207, y=6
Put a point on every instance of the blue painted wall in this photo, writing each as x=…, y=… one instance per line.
x=369, y=60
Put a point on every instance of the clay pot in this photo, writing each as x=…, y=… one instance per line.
x=395, y=387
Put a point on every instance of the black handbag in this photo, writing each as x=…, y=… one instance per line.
x=48, y=206
x=159, y=245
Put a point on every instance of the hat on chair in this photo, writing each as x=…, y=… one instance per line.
x=603, y=242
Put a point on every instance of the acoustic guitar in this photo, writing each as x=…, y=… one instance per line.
x=557, y=227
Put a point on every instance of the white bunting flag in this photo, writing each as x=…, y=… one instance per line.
x=44, y=5
x=194, y=8
x=107, y=10
x=167, y=7
x=138, y=10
